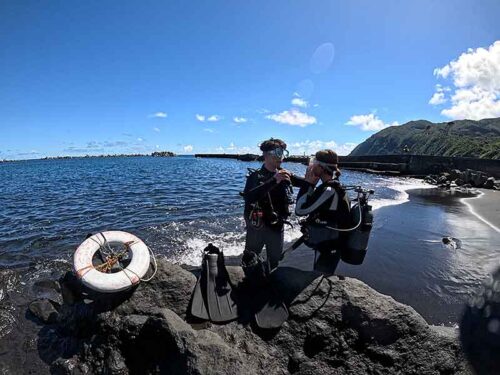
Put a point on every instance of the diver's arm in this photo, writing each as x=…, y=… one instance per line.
x=299, y=181
x=254, y=192
x=310, y=199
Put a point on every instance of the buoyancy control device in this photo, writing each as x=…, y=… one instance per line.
x=352, y=241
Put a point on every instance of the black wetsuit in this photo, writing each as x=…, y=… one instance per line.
x=262, y=188
x=328, y=204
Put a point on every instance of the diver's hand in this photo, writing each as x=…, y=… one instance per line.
x=282, y=175
x=310, y=176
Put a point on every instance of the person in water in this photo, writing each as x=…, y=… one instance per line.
x=326, y=206
x=268, y=194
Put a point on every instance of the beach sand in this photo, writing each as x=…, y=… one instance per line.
x=408, y=260
x=486, y=207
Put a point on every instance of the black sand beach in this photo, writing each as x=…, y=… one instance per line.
x=486, y=207
x=408, y=260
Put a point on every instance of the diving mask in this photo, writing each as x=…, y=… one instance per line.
x=279, y=153
x=327, y=166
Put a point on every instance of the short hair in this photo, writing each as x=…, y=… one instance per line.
x=327, y=156
x=271, y=144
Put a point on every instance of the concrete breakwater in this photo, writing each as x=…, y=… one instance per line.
x=407, y=165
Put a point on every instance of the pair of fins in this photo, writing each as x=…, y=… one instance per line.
x=213, y=294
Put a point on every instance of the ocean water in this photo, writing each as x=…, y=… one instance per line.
x=178, y=205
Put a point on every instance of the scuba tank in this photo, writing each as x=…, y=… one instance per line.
x=356, y=244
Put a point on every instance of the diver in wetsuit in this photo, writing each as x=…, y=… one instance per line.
x=327, y=207
x=268, y=194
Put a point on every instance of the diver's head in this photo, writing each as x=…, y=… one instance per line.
x=274, y=151
x=325, y=165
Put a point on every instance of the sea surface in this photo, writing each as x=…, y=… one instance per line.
x=178, y=205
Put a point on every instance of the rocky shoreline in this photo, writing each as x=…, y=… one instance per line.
x=337, y=326
x=468, y=178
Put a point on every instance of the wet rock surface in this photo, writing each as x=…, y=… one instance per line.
x=336, y=326
x=468, y=178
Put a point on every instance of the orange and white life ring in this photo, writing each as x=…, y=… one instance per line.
x=111, y=282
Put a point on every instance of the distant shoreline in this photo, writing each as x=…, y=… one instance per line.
x=156, y=154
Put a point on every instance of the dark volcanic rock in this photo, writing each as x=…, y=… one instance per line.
x=336, y=326
x=44, y=310
x=490, y=183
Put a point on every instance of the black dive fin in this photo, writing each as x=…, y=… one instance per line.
x=198, y=302
x=273, y=314
x=221, y=306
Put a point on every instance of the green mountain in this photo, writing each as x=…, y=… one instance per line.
x=478, y=139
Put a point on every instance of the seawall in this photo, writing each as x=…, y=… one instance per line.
x=415, y=165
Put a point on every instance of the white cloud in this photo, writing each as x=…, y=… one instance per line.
x=437, y=98
x=208, y=130
x=235, y=149
x=214, y=118
x=299, y=102
x=475, y=75
x=140, y=139
x=240, y=120
x=311, y=147
x=263, y=110
x=188, y=148
x=156, y=130
x=293, y=117
x=369, y=122
x=158, y=115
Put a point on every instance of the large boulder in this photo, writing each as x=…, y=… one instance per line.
x=454, y=174
x=478, y=179
x=336, y=325
x=490, y=183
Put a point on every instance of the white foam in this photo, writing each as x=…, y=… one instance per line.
x=401, y=186
x=232, y=243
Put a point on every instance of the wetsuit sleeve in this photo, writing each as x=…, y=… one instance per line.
x=299, y=181
x=310, y=199
x=255, y=191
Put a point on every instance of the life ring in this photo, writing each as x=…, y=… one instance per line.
x=111, y=282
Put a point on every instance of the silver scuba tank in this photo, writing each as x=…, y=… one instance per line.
x=357, y=241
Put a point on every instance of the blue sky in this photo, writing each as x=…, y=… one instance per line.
x=100, y=77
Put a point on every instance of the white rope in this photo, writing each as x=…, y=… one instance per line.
x=153, y=257
x=353, y=228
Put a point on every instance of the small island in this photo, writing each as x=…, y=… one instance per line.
x=162, y=154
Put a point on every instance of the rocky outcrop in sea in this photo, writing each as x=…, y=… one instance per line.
x=336, y=326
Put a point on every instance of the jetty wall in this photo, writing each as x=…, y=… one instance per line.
x=415, y=165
